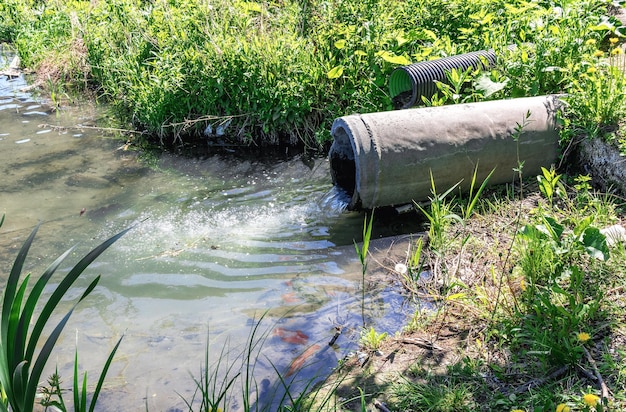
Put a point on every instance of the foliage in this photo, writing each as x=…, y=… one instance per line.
x=53, y=395
x=550, y=185
x=594, y=105
x=558, y=300
x=221, y=383
x=429, y=392
x=535, y=315
x=362, y=253
x=281, y=72
x=22, y=360
x=440, y=215
x=371, y=340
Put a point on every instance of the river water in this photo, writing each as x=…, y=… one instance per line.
x=217, y=243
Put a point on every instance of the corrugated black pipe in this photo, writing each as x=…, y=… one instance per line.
x=407, y=84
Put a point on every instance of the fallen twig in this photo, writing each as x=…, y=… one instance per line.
x=536, y=382
x=82, y=127
x=422, y=343
x=380, y=406
x=604, y=389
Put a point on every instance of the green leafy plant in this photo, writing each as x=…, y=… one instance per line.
x=211, y=388
x=451, y=391
x=21, y=360
x=593, y=105
x=550, y=185
x=172, y=68
x=362, y=253
x=440, y=215
x=457, y=88
x=371, y=340
x=53, y=395
x=559, y=300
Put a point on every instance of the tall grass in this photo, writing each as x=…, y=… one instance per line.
x=23, y=356
x=283, y=71
x=541, y=317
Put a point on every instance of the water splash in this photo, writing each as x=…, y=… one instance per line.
x=335, y=201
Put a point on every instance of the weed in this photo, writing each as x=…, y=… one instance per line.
x=166, y=66
x=22, y=360
x=436, y=393
x=440, y=215
x=550, y=185
x=362, y=253
x=371, y=340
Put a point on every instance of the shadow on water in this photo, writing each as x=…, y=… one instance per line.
x=217, y=242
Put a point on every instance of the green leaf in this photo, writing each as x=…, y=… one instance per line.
x=595, y=243
x=46, y=350
x=488, y=86
x=6, y=364
x=63, y=287
x=335, y=72
x=31, y=304
x=552, y=228
x=105, y=369
x=340, y=44
x=390, y=57
x=582, y=226
x=77, y=404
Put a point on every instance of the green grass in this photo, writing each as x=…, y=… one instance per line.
x=281, y=72
x=25, y=314
x=543, y=326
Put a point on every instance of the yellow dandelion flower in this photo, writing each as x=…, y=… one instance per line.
x=518, y=410
x=590, y=42
x=590, y=399
x=591, y=70
x=598, y=53
x=617, y=50
x=613, y=40
x=583, y=337
x=561, y=407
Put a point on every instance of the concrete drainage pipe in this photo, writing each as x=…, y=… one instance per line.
x=385, y=158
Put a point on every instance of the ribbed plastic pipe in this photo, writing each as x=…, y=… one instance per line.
x=407, y=84
x=386, y=158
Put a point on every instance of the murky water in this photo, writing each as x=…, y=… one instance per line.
x=216, y=243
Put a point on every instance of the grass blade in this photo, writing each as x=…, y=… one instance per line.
x=20, y=375
x=474, y=196
x=11, y=287
x=31, y=304
x=83, y=394
x=62, y=289
x=75, y=386
x=105, y=369
x=14, y=352
x=47, y=348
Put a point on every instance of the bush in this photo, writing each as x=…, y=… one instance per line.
x=271, y=73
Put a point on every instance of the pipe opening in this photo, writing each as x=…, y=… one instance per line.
x=342, y=162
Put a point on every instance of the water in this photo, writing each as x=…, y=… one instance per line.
x=216, y=244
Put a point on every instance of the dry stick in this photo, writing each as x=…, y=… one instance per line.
x=81, y=127
x=422, y=343
x=537, y=382
x=380, y=406
x=592, y=362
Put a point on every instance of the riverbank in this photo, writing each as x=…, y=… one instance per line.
x=184, y=75
x=528, y=311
